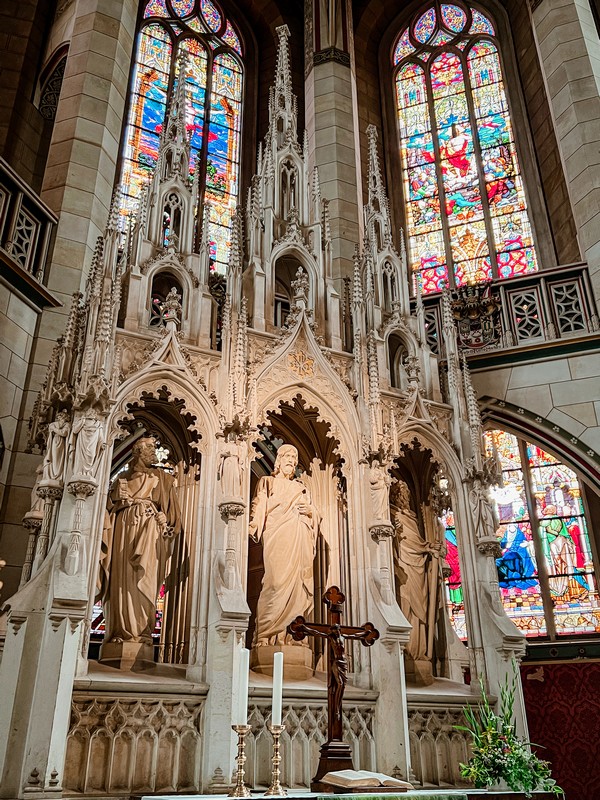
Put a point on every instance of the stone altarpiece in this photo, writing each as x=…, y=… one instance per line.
x=386, y=441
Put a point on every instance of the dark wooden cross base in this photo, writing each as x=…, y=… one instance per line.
x=335, y=753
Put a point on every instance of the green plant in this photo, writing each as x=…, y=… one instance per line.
x=498, y=753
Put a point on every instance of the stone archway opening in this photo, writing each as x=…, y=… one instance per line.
x=320, y=468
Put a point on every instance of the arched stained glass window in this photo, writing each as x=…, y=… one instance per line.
x=546, y=570
x=466, y=211
x=214, y=87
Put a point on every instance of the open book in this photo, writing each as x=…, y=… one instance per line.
x=362, y=777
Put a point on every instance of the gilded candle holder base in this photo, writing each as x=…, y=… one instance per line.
x=240, y=789
x=276, y=789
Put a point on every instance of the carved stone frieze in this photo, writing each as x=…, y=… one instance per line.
x=114, y=744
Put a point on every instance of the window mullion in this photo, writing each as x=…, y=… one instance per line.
x=439, y=176
x=479, y=164
x=542, y=567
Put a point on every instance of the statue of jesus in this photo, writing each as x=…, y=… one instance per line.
x=286, y=521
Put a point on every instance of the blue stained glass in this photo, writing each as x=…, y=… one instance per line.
x=183, y=7
x=425, y=26
x=454, y=17
x=403, y=48
x=481, y=23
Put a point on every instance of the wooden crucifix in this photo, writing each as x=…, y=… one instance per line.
x=335, y=753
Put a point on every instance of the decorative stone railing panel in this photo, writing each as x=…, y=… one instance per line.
x=25, y=224
x=437, y=747
x=551, y=305
x=133, y=745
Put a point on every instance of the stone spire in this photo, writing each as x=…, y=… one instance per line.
x=377, y=204
x=282, y=102
x=174, y=148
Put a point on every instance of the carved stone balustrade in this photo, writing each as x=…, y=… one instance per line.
x=554, y=304
x=26, y=226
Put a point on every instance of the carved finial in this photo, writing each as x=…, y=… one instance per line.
x=112, y=224
x=300, y=286
x=283, y=75
x=236, y=254
x=357, y=289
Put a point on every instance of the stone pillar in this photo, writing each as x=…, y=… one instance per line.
x=331, y=124
x=80, y=171
x=569, y=49
x=77, y=186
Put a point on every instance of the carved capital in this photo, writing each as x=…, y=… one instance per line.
x=231, y=510
x=82, y=487
x=32, y=521
x=50, y=490
x=489, y=546
x=381, y=532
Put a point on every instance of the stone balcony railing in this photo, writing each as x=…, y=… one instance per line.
x=26, y=227
x=548, y=306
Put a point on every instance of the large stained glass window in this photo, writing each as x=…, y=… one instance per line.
x=214, y=84
x=466, y=210
x=546, y=570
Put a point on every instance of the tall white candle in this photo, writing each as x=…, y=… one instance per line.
x=277, y=688
x=242, y=709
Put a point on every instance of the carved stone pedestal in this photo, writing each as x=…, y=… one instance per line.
x=297, y=661
x=127, y=655
x=419, y=672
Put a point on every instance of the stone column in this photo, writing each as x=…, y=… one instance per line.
x=331, y=124
x=569, y=50
x=80, y=171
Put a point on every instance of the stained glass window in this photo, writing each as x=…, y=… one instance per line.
x=466, y=210
x=546, y=570
x=214, y=88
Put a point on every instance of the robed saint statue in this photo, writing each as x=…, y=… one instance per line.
x=142, y=520
x=284, y=518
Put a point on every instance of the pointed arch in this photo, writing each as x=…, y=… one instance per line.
x=467, y=209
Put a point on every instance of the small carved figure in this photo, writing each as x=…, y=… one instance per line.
x=484, y=517
x=88, y=443
x=380, y=481
x=54, y=460
x=231, y=467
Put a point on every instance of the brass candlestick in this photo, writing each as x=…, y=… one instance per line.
x=276, y=789
x=240, y=789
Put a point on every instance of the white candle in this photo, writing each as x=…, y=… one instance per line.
x=277, y=688
x=242, y=710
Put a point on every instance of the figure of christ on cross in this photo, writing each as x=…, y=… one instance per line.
x=335, y=753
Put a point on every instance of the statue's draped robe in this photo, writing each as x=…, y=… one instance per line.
x=289, y=540
x=413, y=558
x=135, y=554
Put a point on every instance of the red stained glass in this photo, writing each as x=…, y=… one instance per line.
x=432, y=280
x=517, y=262
x=464, y=131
